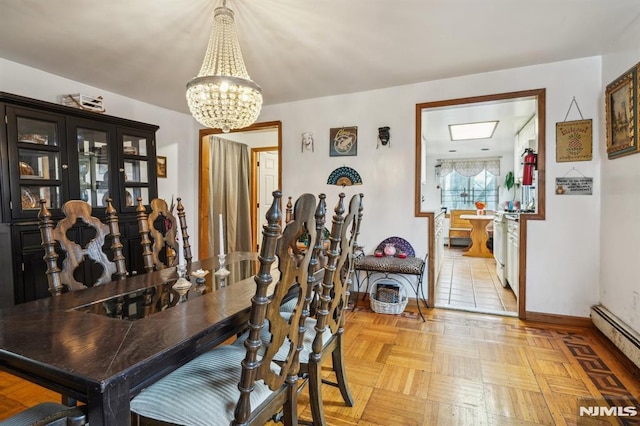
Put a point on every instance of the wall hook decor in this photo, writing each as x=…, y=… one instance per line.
x=307, y=142
x=384, y=137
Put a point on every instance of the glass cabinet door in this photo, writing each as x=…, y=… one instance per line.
x=137, y=167
x=37, y=160
x=93, y=165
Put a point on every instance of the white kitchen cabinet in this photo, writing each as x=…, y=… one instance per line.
x=439, y=245
x=513, y=254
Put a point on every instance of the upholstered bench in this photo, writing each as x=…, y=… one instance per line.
x=393, y=267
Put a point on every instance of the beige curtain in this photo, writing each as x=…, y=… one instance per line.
x=470, y=167
x=229, y=185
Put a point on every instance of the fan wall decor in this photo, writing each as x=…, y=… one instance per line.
x=344, y=176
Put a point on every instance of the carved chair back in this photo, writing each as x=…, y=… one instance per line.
x=331, y=299
x=158, y=232
x=76, y=254
x=293, y=272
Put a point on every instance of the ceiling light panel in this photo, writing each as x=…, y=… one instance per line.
x=468, y=131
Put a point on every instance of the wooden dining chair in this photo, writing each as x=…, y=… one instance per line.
x=158, y=232
x=63, y=279
x=326, y=302
x=325, y=331
x=240, y=385
x=48, y=414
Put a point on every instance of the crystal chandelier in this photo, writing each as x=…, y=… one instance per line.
x=223, y=96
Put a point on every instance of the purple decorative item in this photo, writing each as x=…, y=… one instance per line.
x=401, y=245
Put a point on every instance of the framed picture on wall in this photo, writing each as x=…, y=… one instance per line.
x=162, y=166
x=621, y=114
x=343, y=141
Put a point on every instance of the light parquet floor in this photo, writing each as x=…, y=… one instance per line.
x=470, y=369
x=457, y=368
x=471, y=283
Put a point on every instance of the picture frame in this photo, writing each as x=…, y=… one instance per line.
x=343, y=141
x=161, y=166
x=621, y=114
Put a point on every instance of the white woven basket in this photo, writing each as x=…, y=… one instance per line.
x=386, y=307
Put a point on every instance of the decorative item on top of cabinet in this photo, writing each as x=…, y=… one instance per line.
x=59, y=153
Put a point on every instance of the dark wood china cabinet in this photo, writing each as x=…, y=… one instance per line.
x=58, y=153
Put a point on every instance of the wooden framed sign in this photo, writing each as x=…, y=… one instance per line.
x=574, y=141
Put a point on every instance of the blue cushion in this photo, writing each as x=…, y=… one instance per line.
x=203, y=392
x=309, y=336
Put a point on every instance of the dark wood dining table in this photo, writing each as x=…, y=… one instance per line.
x=75, y=344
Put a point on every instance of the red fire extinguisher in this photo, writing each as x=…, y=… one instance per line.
x=529, y=166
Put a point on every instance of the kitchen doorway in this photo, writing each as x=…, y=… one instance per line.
x=427, y=190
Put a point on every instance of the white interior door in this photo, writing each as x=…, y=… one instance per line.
x=267, y=183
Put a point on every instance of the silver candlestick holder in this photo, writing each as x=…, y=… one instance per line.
x=182, y=287
x=222, y=271
x=181, y=270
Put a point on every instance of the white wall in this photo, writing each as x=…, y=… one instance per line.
x=620, y=227
x=176, y=132
x=563, y=261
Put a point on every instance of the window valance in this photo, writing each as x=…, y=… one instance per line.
x=470, y=167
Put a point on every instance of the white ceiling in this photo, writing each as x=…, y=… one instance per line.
x=511, y=114
x=300, y=49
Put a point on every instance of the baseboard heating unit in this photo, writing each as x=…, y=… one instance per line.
x=620, y=334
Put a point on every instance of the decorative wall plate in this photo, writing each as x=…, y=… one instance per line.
x=33, y=138
x=28, y=200
x=25, y=169
x=344, y=176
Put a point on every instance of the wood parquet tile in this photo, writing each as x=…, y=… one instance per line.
x=457, y=368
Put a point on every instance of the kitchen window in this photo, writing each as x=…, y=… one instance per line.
x=463, y=182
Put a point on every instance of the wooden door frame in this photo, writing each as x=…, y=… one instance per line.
x=524, y=218
x=203, y=179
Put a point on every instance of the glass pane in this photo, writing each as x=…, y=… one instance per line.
x=31, y=196
x=39, y=164
x=134, y=145
x=93, y=166
x=136, y=171
x=37, y=131
x=134, y=193
x=460, y=192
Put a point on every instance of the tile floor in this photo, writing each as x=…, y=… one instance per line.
x=470, y=283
